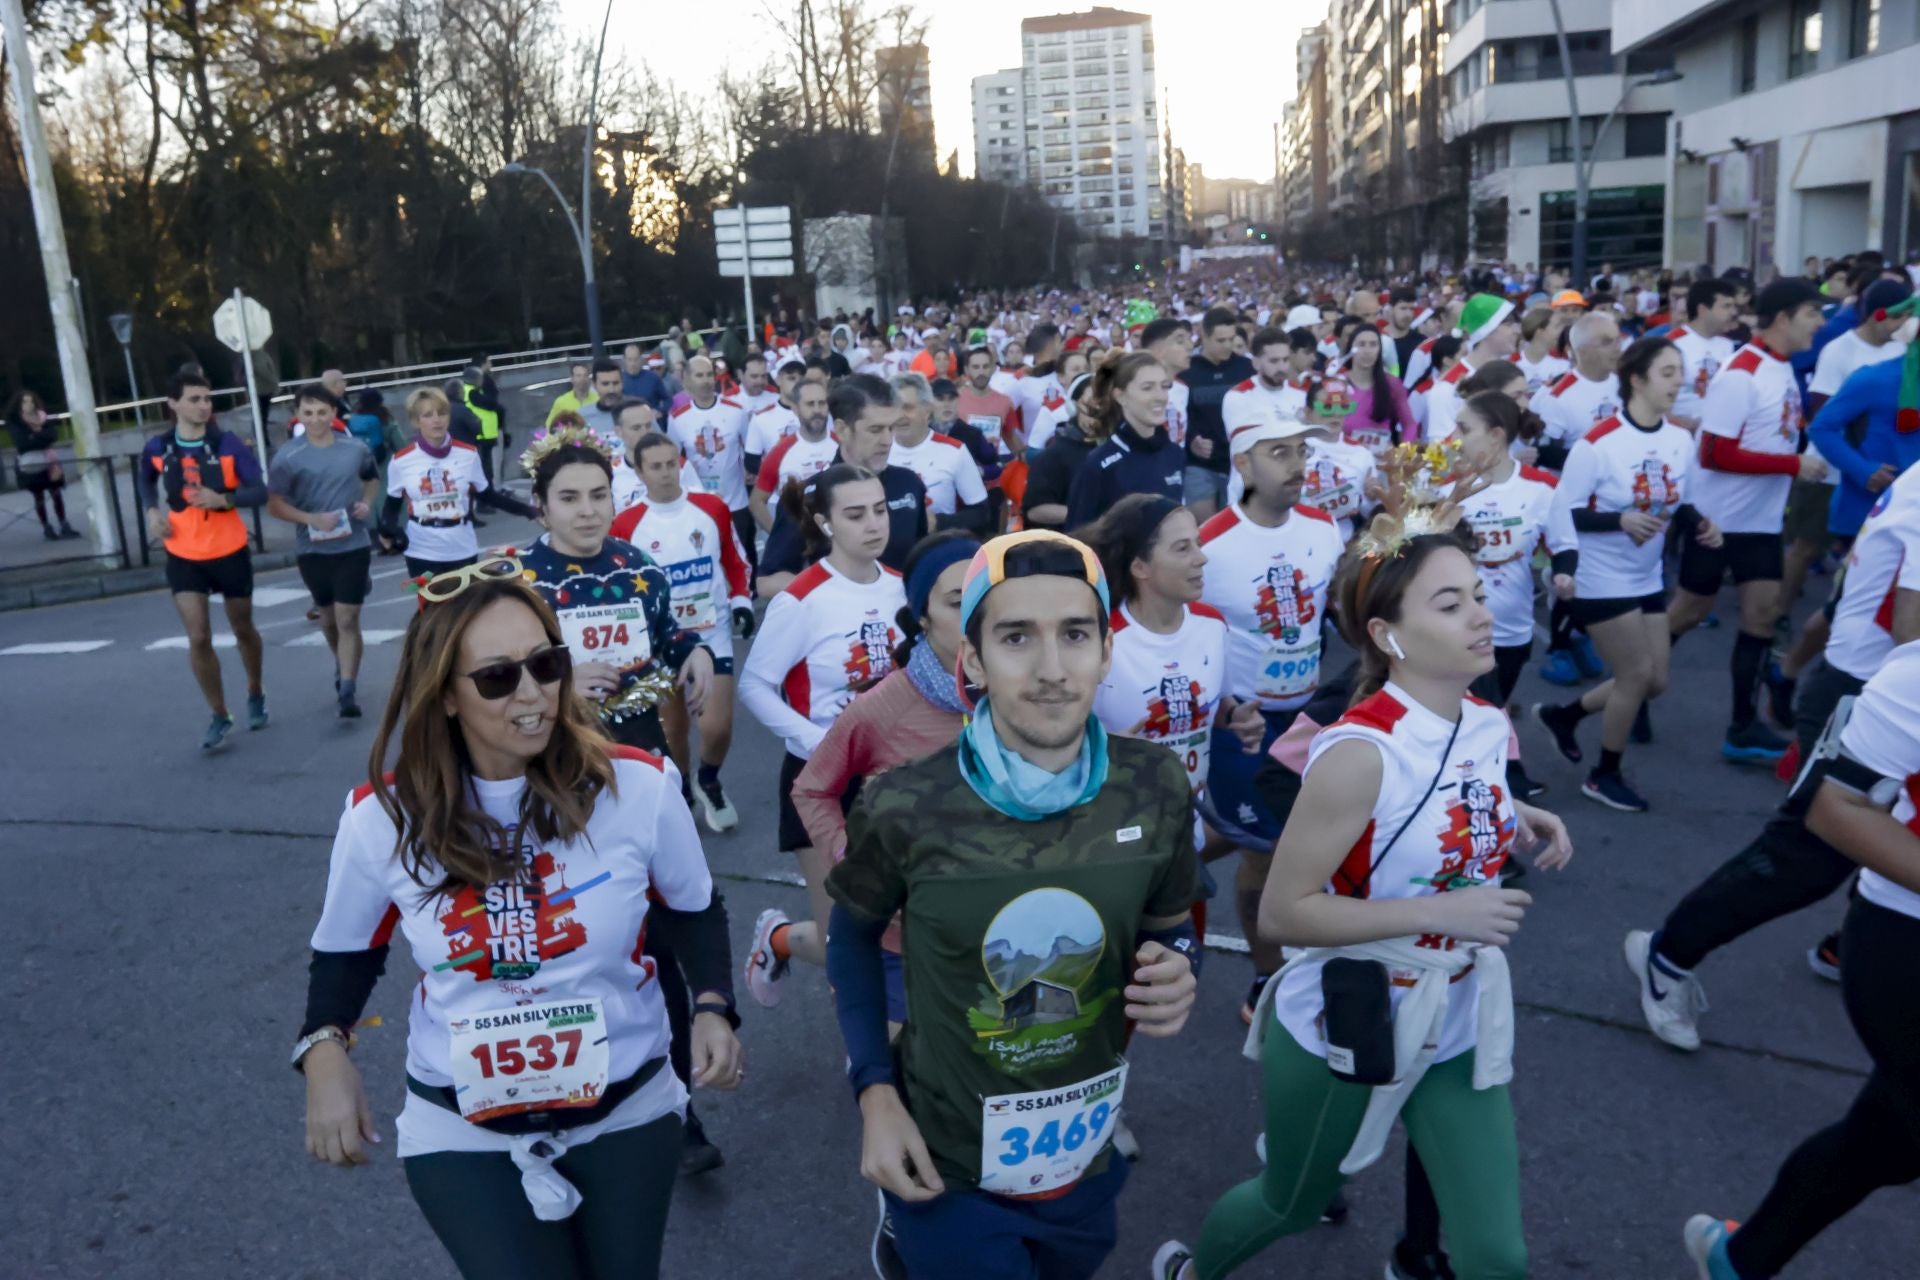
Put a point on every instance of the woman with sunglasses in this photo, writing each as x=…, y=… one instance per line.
x=828, y=636
x=519, y=854
x=436, y=481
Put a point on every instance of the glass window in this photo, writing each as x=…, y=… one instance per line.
x=1747, y=74
x=1647, y=133
x=1863, y=30
x=1803, y=37
x=1559, y=150
x=1625, y=225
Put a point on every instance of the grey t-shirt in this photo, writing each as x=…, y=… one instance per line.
x=330, y=478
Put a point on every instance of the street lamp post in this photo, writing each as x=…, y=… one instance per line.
x=1583, y=156
x=582, y=238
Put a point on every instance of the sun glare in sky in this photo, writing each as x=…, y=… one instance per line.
x=1226, y=69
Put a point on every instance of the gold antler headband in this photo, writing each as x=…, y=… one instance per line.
x=548, y=439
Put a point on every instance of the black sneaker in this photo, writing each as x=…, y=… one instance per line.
x=887, y=1262
x=1611, y=790
x=1780, y=689
x=1519, y=785
x=1253, y=997
x=1560, y=728
x=1402, y=1265
x=1824, y=959
x=1335, y=1214
x=697, y=1153
x=1642, y=731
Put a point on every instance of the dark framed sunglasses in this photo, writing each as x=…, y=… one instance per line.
x=498, y=680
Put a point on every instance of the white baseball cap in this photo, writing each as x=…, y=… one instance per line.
x=1304, y=316
x=1267, y=425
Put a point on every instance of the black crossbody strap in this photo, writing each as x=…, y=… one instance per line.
x=1445, y=754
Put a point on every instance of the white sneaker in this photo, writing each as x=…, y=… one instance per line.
x=1260, y=1148
x=1172, y=1261
x=1704, y=1236
x=1671, y=1003
x=1125, y=1145
x=715, y=808
x=764, y=969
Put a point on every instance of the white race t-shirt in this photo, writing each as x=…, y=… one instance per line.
x=1542, y=372
x=824, y=639
x=1270, y=585
x=1166, y=688
x=1459, y=837
x=1701, y=357
x=1572, y=405
x=767, y=426
x=1178, y=396
x=945, y=468
x=438, y=489
x=796, y=458
x=714, y=441
x=1443, y=401
x=695, y=542
x=1882, y=735
x=1335, y=481
x=1510, y=520
x=1755, y=402
x=1620, y=467
x=1885, y=559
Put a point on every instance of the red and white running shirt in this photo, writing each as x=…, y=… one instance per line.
x=1750, y=425
x=1247, y=401
x=1166, y=688
x=1178, y=397
x=1034, y=394
x=1542, y=372
x=694, y=541
x=1700, y=357
x=1509, y=520
x=1574, y=405
x=796, y=458
x=1335, y=481
x=1880, y=734
x=825, y=639
x=1443, y=400
x=438, y=489
x=767, y=426
x=1458, y=835
x=1884, y=561
x=1622, y=467
x=570, y=931
x=1270, y=585
x=714, y=441
x=945, y=468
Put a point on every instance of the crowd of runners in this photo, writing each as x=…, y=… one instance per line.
x=1058, y=602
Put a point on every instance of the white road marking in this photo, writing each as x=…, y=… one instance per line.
x=54, y=646
x=223, y=640
x=268, y=597
x=317, y=639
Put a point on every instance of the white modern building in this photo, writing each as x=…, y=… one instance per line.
x=1091, y=122
x=1508, y=95
x=1796, y=129
x=1000, y=127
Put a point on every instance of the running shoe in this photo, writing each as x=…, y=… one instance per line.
x=217, y=733
x=1260, y=1148
x=1512, y=872
x=1753, y=743
x=697, y=1153
x=1564, y=735
x=1125, y=1145
x=1560, y=669
x=1402, y=1265
x=715, y=808
x=1671, y=1001
x=1642, y=731
x=1780, y=688
x=1710, y=623
x=1253, y=998
x=764, y=969
x=256, y=711
x=1587, y=658
x=1824, y=959
x=349, y=708
x=1335, y=1214
x=1520, y=784
x=1173, y=1261
x=887, y=1262
x=1706, y=1240
x=1611, y=790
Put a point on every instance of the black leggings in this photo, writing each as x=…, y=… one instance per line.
x=1877, y=1143
x=42, y=489
x=1496, y=686
x=474, y=1203
x=1785, y=868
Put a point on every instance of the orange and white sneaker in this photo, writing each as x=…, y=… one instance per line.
x=764, y=969
x=1706, y=1239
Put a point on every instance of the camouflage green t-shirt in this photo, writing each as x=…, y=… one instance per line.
x=1018, y=936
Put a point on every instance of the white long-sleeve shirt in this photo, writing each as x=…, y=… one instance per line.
x=825, y=639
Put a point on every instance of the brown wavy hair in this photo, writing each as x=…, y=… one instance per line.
x=446, y=841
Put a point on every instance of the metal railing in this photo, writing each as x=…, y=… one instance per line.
x=24, y=547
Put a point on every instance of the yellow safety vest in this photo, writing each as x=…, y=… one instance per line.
x=489, y=418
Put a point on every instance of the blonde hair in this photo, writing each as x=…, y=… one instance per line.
x=426, y=397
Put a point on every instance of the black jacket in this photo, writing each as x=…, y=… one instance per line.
x=1127, y=463
x=1050, y=474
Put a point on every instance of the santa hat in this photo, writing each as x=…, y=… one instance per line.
x=1483, y=314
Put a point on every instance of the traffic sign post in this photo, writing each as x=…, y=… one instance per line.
x=243, y=326
x=753, y=242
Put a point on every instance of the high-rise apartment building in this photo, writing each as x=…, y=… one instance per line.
x=905, y=94
x=1000, y=127
x=1092, y=125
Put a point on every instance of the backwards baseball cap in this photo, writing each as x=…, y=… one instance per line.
x=1882, y=296
x=1034, y=553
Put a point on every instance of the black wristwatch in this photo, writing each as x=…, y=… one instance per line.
x=720, y=1002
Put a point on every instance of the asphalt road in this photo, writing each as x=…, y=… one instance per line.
x=165, y=899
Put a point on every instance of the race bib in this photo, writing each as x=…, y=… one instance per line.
x=615, y=634
x=342, y=529
x=1288, y=670
x=440, y=506
x=1041, y=1141
x=530, y=1057
x=692, y=582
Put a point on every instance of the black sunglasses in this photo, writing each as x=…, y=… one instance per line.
x=498, y=680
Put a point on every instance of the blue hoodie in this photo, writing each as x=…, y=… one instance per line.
x=1872, y=393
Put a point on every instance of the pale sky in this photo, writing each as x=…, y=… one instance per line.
x=1226, y=69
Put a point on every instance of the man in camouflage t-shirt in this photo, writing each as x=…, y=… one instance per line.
x=1043, y=874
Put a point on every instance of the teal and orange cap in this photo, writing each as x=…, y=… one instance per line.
x=1033, y=553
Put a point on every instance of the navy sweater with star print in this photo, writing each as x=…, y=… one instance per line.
x=619, y=574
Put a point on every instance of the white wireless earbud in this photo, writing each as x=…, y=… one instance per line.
x=1393, y=643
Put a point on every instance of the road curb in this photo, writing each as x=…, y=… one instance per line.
x=120, y=582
